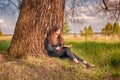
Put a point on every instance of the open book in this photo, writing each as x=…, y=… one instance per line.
x=66, y=46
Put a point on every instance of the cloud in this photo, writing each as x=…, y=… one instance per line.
x=1, y=21
x=7, y=24
x=87, y=17
x=7, y=29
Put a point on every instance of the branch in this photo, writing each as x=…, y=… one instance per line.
x=105, y=4
x=14, y=4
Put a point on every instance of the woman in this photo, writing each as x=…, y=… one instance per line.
x=56, y=48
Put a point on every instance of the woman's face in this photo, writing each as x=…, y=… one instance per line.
x=58, y=31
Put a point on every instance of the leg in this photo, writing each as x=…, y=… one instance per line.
x=71, y=55
x=78, y=58
x=87, y=64
x=66, y=52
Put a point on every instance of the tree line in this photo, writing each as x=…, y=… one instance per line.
x=111, y=29
x=108, y=30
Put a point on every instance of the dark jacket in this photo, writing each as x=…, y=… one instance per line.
x=51, y=49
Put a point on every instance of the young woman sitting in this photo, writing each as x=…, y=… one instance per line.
x=54, y=47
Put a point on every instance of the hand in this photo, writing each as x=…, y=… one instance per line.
x=58, y=48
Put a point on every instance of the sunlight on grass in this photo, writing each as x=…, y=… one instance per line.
x=104, y=54
x=4, y=45
x=5, y=38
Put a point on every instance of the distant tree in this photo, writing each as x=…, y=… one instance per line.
x=66, y=28
x=116, y=28
x=104, y=32
x=85, y=31
x=81, y=33
x=90, y=31
x=1, y=32
x=119, y=32
x=108, y=29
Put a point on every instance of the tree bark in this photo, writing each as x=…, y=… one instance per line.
x=35, y=19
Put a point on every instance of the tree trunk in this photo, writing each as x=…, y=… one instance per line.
x=35, y=19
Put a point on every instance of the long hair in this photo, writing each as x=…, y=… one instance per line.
x=52, y=36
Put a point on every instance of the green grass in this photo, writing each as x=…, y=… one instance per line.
x=105, y=57
x=96, y=52
x=4, y=44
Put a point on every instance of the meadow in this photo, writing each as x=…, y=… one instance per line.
x=102, y=51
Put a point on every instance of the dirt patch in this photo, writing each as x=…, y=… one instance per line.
x=43, y=68
x=31, y=69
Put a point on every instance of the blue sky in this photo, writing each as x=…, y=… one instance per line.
x=8, y=17
x=85, y=17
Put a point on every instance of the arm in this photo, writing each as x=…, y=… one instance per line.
x=52, y=49
x=49, y=46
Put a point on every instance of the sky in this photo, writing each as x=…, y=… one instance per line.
x=85, y=17
x=8, y=17
x=7, y=23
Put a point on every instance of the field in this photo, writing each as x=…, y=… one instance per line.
x=102, y=51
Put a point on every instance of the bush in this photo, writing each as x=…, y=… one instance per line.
x=66, y=28
x=113, y=60
x=87, y=31
x=1, y=33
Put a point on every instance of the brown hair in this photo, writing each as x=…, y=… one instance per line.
x=52, y=37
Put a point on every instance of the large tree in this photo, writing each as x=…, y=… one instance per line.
x=35, y=19
x=38, y=16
